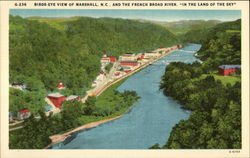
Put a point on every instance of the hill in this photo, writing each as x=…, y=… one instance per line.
x=183, y=26
x=44, y=51
x=215, y=101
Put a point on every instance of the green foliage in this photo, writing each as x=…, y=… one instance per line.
x=46, y=51
x=112, y=101
x=225, y=79
x=215, y=122
x=221, y=44
x=40, y=48
x=90, y=105
x=33, y=100
x=183, y=26
x=108, y=67
x=70, y=112
x=156, y=146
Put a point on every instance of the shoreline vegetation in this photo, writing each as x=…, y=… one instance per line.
x=63, y=51
x=61, y=137
x=215, y=100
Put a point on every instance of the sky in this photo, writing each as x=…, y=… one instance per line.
x=158, y=15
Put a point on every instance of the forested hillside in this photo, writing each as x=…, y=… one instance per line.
x=221, y=44
x=215, y=122
x=42, y=54
x=183, y=26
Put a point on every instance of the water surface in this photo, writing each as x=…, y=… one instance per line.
x=151, y=119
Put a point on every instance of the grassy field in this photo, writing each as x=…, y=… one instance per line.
x=225, y=79
x=107, y=102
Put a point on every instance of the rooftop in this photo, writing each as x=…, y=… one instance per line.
x=229, y=66
x=71, y=97
x=56, y=95
x=128, y=61
x=48, y=107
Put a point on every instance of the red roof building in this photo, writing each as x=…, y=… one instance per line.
x=108, y=59
x=57, y=99
x=112, y=59
x=60, y=86
x=117, y=74
x=23, y=114
x=128, y=63
x=227, y=70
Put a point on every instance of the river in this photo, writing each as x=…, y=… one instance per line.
x=151, y=119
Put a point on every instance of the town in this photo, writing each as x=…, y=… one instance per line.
x=112, y=70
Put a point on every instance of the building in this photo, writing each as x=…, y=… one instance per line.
x=107, y=59
x=60, y=86
x=128, y=57
x=23, y=114
x=72, y=98
x=126, y=69
x=48, y=110
x=18, y=86
x=227, y=70
x=94, y=84
x=118, y=74
x=56, y=99
x=152, y=55
x=128, y=63
x=140, y=56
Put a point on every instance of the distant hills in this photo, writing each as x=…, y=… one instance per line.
x=183, y=26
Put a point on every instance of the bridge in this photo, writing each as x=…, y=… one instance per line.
x=188, y=51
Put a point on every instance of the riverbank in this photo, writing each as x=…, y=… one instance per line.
x=98, y=92
x=61, y=137
x=93, y=121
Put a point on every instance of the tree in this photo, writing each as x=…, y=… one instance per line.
x=90, y=105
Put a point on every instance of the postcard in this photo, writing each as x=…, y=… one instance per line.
x=124, y=79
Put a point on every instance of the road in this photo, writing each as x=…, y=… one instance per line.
x=109, y=81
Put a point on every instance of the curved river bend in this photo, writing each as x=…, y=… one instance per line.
x=151, y=119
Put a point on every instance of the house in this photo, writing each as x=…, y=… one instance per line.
x=48, y=110
x=128, y=63
x=19, y=86
x=118, y=74
x=56, y=99
x=23, y=114
x=227, y=70
x=60, y=86
x=152, y=55
x=140, y=56
x=107, y=59
x=127, y=69
x=72, y=98
x=128, y=57
x=94, y=84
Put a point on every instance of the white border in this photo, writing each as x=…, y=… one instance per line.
x=6, y=153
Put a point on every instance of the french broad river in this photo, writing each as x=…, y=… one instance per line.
x=151, y=118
